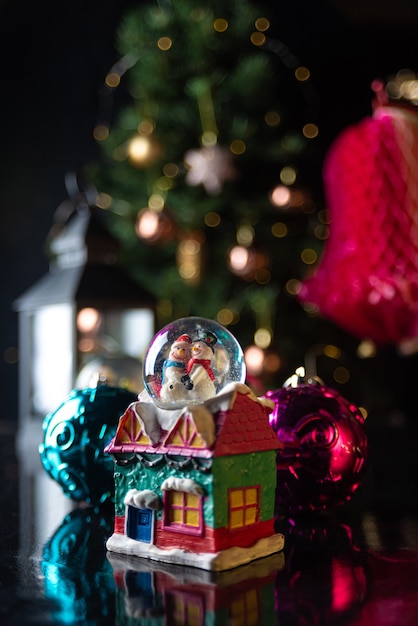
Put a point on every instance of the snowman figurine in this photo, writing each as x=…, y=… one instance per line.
x=199, y=378
x=174, y=368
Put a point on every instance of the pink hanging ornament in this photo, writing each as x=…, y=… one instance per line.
x=367, y=279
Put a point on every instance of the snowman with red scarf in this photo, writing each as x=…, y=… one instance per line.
x=199, y=378
x=174, y=367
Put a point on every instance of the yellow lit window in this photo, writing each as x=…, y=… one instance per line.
x=183, y=512
x=244, y=506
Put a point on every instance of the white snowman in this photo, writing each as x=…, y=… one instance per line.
x=174, y=368
x=199, y=378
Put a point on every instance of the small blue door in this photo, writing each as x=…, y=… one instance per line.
x=139, y=524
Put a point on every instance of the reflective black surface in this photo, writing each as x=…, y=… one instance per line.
x=355, y=565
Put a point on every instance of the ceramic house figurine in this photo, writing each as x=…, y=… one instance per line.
x=196, y=487
x=195, y=456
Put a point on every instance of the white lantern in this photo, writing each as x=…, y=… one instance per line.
x=85, y=307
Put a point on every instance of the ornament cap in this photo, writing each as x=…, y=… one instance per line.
x=300, y=377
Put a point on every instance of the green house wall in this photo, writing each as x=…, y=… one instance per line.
x=243, y=470
x=137, y=476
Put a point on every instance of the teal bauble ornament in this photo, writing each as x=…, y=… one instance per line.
x=75, y=436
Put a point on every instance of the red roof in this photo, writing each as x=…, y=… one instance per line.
x=244, y=428
x=241, y=426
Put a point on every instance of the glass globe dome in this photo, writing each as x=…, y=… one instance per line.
x=190, y=361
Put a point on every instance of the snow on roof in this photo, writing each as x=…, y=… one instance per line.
x=235, y=421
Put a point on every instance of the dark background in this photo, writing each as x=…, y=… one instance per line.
x=53, y=59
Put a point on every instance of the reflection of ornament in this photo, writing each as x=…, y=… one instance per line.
x=115, y=371
x=367, y=281
x=76, y=573
x=325, y=576
x=325, y=445
x=155, y=227
x=210, y=167
x=222, y=362
x=74, y=439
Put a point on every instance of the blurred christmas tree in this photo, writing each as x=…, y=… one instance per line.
x=206, y=169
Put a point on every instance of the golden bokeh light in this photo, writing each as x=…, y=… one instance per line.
x=258, y=39
x=146, y=127
x=101, y=132
x=237, y=147
x=163, y=183
x=212, y=219
x=262, y=24
x=279, y=230
x=262, y=276
x=103, y=200
x=321, y=232
x=310, y=131
x=156, y=202
x=324, y=216
x=220, y=25
x=302, y=73
x=309, y=256
x=142, y=151
x=366, y=349
x=288, y=175
x=245, y=235
x=170, y=170
x=341, y=375
x=272, y=118
x=293, y=286
x=112, y=80
x=262, y=337
x=209, y=138
x=331, y=351
x=226, y=317
x=164, y=43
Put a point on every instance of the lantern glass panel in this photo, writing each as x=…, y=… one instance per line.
x=52, y=360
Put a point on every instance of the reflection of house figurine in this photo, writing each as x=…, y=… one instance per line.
x=196, y=486
x=157, y=593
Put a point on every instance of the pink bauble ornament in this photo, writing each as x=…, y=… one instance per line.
x=324, y=445
x=367, y=278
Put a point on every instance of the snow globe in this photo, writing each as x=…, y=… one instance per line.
x=190, y=361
